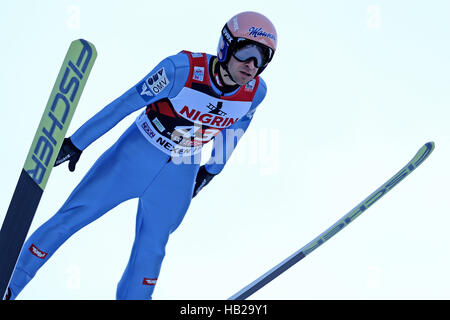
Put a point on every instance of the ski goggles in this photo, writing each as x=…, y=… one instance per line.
x=245, y=50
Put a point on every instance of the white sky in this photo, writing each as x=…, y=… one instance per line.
x=355, y=89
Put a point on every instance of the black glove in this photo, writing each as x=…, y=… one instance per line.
x=69, y=152
x=202, y=179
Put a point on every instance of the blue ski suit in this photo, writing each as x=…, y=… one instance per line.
x=155, y=160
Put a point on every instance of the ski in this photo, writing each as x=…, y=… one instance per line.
x=247, y=291
x=41, y=157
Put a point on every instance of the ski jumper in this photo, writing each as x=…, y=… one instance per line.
x=155, y=160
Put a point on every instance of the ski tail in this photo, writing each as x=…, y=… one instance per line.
x=44, y=149
x=420, y=156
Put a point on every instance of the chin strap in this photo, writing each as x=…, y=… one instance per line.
x=225, y=67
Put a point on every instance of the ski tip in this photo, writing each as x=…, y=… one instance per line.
x=430, y=145
x=83, y=41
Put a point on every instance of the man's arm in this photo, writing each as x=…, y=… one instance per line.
x=132, y=100
x=165, y=80
x=225, y=143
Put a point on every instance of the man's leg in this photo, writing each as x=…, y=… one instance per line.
x=121, y=173
x=161, y=209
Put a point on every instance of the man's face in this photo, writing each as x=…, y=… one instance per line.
x=242, y=72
